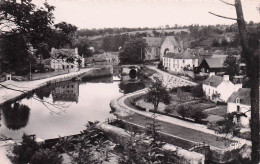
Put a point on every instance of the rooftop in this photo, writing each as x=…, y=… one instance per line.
x=185, y=55
x=243, y=94
x=63, y=52
x=213, y=81
x=215, y=62
x=154, y=41
x=169, y=55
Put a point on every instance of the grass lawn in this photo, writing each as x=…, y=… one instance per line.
x=182, y=132
x=220, y=110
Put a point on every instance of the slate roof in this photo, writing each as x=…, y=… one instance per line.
x=243, y=94
x=213, y=81
x=154, y=41
x=215, y=62
x=170, y=55
x=64, y=52
x=185, y=55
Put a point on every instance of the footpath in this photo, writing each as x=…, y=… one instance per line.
x=18, y=88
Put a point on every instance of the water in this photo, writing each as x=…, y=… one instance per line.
x=64, y=108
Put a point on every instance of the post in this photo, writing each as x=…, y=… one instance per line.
x=30, y=75
x=141, y=53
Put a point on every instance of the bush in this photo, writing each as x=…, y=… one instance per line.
x=187, y=88
x=198, y=115
x=197, y=91
x=23, y=153
x=160, y=65
x=169, y=109
x=184, y=111
x=46, y=157
x=200, y=77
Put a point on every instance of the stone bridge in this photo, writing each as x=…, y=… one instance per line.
x=129, y=69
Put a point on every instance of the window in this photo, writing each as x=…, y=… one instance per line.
x=237, y=100
x=183, y=61
x=238, y=108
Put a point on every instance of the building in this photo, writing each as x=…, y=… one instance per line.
x=240, y=102
x=104, y=58
x=208, y=65
x=183, y=61
x=153, y=47
x=170, y=44
x=66, y=59
x=219, y=88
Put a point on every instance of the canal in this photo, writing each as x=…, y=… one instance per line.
x=62, y=109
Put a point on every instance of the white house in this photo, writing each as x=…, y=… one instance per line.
x=240, y=102
x=66, y=59
x=219, y=88
x=180, y=62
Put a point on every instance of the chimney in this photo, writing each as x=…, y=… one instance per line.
x=76, y=51
x=52, y=50
x=226, y=77
x=211, y=74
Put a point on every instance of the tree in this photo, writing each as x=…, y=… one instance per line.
x=251, y=57
x=26, y=150
x=197, y=114
x=83, y=45
x=24, y=25
x=231, y=66
x=179, y=93
x=224, y=43
x=44, y=156
x=216, y=96
x=215, y=43
x=157, y=93
x=93, y=146
x=133, y=51
x=63, y=35
x=197, y=91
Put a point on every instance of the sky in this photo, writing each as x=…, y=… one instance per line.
x=147, y=13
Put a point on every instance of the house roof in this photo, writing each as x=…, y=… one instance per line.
x=243, y=94
x=63, y=52
x=185, y=55
x=213, y=81
x=173, y=40
x=218, y=52
x=154, y=41
x=215, y=62
x=169, y=55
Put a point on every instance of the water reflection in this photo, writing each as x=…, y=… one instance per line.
x=129, y=87
x=108, y=79
x=44, y=92
x=15, y=115
x=66, y=91
x=86, y=101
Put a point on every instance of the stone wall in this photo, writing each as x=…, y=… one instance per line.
x=121, y=136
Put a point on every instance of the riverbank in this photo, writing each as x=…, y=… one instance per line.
x=11, y=90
